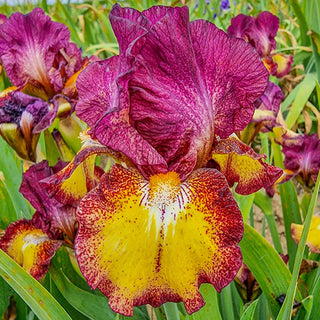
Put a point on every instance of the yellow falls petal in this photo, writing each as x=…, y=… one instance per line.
x=155, y=241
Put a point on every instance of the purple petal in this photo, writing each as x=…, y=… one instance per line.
x=99, y=107
x=260, y=31
x=234, y=76
x=240, y=26
x=166, y=81
x=51, y=216
x=98, y=91
x=18, y=107
x=302, y=156
x=128, y=24
x=36, y=50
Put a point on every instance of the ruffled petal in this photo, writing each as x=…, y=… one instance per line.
x=36, y=50
x=240, y=26
x=233, y=73
x=29, y=247
x=99, y=107
x=151, y=242
x=100, y=98
x=166, y=81
x=240, y=164
x=313, y=238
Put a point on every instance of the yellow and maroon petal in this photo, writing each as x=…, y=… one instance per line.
x=29, y=247
x=70, y=184
x=240, y=164
x=313, y=238
x=149, y=242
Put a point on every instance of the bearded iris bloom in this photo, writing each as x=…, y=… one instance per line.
x=42, y=64
x=29, y=246
x=163, y=220
x=32, y=243
x=260, y=32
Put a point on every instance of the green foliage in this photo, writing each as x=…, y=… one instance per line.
x=64, y=294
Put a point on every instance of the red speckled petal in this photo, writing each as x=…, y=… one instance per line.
x=239, y=163
x=149, y=242
x=29, y=247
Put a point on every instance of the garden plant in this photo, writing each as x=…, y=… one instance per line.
x=160, y=160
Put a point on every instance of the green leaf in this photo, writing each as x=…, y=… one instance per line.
x=307, y=304
x=5, y=293
x=171, y=310
x=249, y=312
x=69, y=21
x=245, y=204
x=307, y=86
x=30, y=290
x=303, y=26
x=291, y=214
x=286, y=309
x=316, y=297
x=11, y=177
x=266, y=265
x=93, y=306
x=264, y=203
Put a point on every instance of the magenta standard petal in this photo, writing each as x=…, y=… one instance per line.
x=36, y=50
x=233, y=73
x=99, y=107
x=169, y=103
x=128, y=24
x=264, y=31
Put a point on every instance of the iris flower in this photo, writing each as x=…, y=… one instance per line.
x=260, y=32
x=29, y=246
x=42, y=64
x=163, y=219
